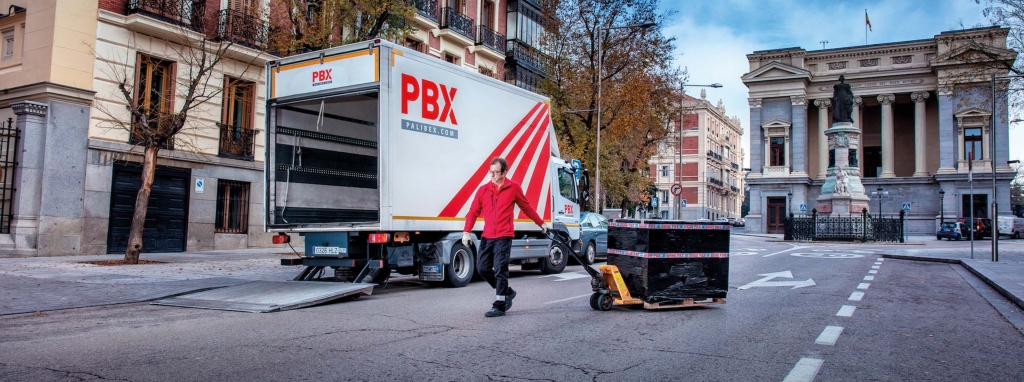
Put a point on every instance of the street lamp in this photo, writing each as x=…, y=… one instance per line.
x=600, y=63
x=789, y=207
x=880, y=194
x=992, y=149
x=942, y=207
x=679, y=139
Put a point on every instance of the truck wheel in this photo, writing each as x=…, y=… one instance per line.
x=1016, y=235
x=462, y=267
x=555, y=262
x=381, y=275
x=590, y=254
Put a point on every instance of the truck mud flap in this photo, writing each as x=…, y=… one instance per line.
x=268, y=296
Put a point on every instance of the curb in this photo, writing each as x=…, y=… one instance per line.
x=981, y=275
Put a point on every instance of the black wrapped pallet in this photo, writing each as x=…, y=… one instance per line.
x=668, y=260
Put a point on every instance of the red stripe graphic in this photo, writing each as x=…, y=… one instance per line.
x=462, y=197
x=539, y=171
x=547, y=211
x=517, y=170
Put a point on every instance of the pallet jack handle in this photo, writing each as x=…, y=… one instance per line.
x=593, y=272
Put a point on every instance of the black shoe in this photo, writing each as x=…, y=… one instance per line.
x=509, y=298
x=494, y=312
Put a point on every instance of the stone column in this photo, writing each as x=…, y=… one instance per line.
x=947, y=134
x=800, y=138
x=757, y=156
x=920, y=136
x=823, y=105
x=28, y=177
x=888, y=164
x=857, y=103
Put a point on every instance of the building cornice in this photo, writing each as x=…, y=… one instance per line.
x=921, y=46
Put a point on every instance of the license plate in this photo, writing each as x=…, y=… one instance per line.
x=431, y=269
x=329, y=250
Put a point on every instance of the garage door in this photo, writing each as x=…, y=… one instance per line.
x=166, y=217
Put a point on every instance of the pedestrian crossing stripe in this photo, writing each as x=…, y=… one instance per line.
x=648, y=255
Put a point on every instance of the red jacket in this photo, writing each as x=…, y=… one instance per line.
x=498, y=209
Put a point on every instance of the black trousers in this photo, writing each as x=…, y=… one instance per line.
x=492, y=263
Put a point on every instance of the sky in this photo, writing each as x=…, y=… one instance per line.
x=714, y=37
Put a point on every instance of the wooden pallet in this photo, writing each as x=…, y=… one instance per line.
x=687, y=303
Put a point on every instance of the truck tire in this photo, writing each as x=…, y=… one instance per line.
x=381, y=275
x=459, y=272
x=1016, y=235
x=555, y=261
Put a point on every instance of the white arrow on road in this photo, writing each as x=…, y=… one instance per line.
x=567, y=276
x=764, y=282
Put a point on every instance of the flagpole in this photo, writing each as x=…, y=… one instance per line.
x=866, y=28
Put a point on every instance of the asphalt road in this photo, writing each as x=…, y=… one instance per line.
x=905, y=321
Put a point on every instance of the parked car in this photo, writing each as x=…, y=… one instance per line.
x=593, y=237
x=982, y=226
x=723, y=221
x=953, y=231
x=1011, y=226
x=741, y=222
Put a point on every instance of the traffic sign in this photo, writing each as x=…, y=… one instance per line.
x=676, y=189
x=654, y=202
x=577, y=166
x=684, y=203
x=803, y=208
x=906, y=206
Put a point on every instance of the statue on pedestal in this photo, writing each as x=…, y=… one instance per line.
x=842, y=181
x=842, y=101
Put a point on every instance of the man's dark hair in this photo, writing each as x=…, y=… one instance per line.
x=502, y=162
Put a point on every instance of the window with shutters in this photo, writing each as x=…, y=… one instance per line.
x=232, y=207
x=154, y=93
x=236, y=130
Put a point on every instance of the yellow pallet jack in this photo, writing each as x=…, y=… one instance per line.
x=610, y=288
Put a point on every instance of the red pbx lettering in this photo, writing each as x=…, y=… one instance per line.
x=429, y=93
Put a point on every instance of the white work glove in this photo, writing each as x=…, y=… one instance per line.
x=466, y=238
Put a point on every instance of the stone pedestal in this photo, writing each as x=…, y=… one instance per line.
x=843, y=192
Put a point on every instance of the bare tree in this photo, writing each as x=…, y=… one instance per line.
x=160, y=95
x=307, y=25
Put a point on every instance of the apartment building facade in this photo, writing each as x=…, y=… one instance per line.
x=705, y=158
x=924, y=107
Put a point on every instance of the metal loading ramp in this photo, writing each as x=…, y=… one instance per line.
x=268, y=296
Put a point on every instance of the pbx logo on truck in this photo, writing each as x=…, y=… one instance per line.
x=322, y=77
x=428, y=92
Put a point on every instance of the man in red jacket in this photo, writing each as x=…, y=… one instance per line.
x=496, y=201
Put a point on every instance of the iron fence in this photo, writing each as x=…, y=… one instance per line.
x=237, y=142
x=491, y=39
x=863, y=227
x=9, y=136
x=460, y=23
x=243, y=29
x=426, y=8
x=187, y=13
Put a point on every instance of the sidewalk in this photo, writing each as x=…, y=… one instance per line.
x=1005, y=276
x=52, y=283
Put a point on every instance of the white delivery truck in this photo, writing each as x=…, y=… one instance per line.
x=1010, y=226
x=374, y=154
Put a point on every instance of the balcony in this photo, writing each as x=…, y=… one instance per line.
x=735, y=166
x=492, y=40
x=714, y=155
x=426, y=8
x=458, y=23
x=524, y=55
x=237, y=142
x=185, y=13
x=242, y=29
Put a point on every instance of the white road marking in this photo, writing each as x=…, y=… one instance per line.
x=872, y=271
x=869, y=278
x=874, y=267
x=846, y=311
x=827, y=255
x=829, y=336
x=763, y=282
x=567, y=276
x=804, y=371
x=567, y=299
x=776, y=253
x=856, y=296
x=878, y=263
x=863, y=286
x=743, y=253
x=880, y=259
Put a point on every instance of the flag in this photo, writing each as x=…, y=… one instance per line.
x=867, y=21
x=970, y=166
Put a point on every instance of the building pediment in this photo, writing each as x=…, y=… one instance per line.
x=972, y=117
x=776, y=128
x=777, y=71
x=975, y=53
x=776, y=123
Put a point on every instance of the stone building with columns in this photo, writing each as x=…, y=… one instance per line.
x=923, y=108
